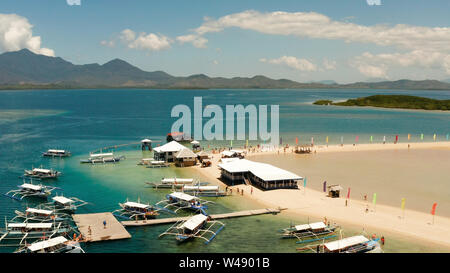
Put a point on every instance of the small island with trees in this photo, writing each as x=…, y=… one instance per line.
x=393, y=101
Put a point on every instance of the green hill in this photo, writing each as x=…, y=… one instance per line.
x=393, y=101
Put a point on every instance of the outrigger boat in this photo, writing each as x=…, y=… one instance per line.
x=54, y=245
x=42, y=173
x=32, y=231
x=134, y=210
x=30, y=190
x=354, y=244
x=198, y=226
x=198, y=190
x=102, y=158
x=41, y=215
x=62, y=203
x=309, y=232
x=56, y=153
x=157, y=164
x=185, y=201
x=171, y=183
x=146, y=161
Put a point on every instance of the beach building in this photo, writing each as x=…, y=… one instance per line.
x=167, y=151
x=262, y=175
x=185, y=158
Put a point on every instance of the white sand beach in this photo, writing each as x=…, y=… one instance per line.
x=313, y=203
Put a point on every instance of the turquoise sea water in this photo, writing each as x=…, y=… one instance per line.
x=85, y=120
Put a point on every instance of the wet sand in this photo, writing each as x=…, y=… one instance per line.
x=363, y=168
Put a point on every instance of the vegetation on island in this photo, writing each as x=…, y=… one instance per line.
x=393, y=101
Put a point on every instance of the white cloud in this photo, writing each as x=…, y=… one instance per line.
x=144, y=41
x=108, y=43
x=372, y=71
x=16, y=33
x=215, y=62
x=196, y=40
x=318, y=26
x=329, y=65
x=292, y=62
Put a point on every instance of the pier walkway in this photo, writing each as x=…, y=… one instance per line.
x=113, y=231
x=213, y=216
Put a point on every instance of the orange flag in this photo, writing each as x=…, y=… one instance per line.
x=433, y=209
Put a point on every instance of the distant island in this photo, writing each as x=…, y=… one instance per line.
x=393, y=101
x=24, y=69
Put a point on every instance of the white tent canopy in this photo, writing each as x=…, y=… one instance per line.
x=172, y=146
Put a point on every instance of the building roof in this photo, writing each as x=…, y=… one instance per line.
x=146, y=140
x=228, y=160
x=202, y=153
x=195, y=142
x=194, y=221
x=136, y=205
x=184, y=153
x=228, y=153
x=47, y=243
x=346, y=242
x=182, y=196
x=172, y=146
x=264, y=171
x=62, y=200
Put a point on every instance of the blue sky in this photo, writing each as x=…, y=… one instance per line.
x=310, y=41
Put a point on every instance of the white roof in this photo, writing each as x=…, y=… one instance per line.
x=40, y=211
x=31, y=187
x=30, y=225
x=63, y=200
x=177, y=180
x=136, y=205
x=154, y=162
x=38, y=170
x=194, y=221
x=201, y=188
x=228, y=153
x=185, y=153
x=101, y=155
x=302, y=227
x=237, y=151
x=56, y=151
x=146, y=140
x=346, y=242
x=183, y=196
x=317, y=225
x=47, y=243
x=172, y=146
x=195, y=142
x=264, y=171
x=228, y=160
x=148, y=159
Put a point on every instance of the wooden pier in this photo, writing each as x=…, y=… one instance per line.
x=214, y=217
x=94, y=221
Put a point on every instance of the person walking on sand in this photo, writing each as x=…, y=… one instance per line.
x=104, y=223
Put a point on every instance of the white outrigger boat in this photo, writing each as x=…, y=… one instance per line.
x=56, y=153
x=41, y=173
x=134, y=210
x=62, y=203
x=209, y=191
x=157, y=164
x=54, y=245
x=184, y=201
x=354, y=244
x=309, y=232
x=198, y=226
x=102, y=158
x=41, y=215
x=30, y=190
x=171, y=183
x=31, y=231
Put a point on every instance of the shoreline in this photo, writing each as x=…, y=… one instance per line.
x=313, y=203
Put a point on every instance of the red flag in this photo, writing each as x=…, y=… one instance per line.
x=433, y=209
x=357, y=138
x=348, y=193
x=296, y=140
x=396, y=138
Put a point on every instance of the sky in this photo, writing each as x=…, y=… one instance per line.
x=344, y=41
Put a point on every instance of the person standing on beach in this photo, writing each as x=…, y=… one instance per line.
x=104, y=223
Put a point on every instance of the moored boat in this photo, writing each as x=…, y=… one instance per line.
x=41, y=173
x=56, y=153
x=309, y=232
x=102, y=158
x=54, y=245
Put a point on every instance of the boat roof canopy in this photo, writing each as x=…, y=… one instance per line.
x=101, y=155
x=201, y=188
x=136, y=205
x=47, y=243
x=31, y=187
x=182, y=196
x=346, y=242
x=194, y=222
x=40, y=211
x=177, y=180
x=62, y=200
x=56, y=151
x=30, y=225
x=39, y=170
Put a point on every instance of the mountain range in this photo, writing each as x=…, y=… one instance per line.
x=24, y=69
